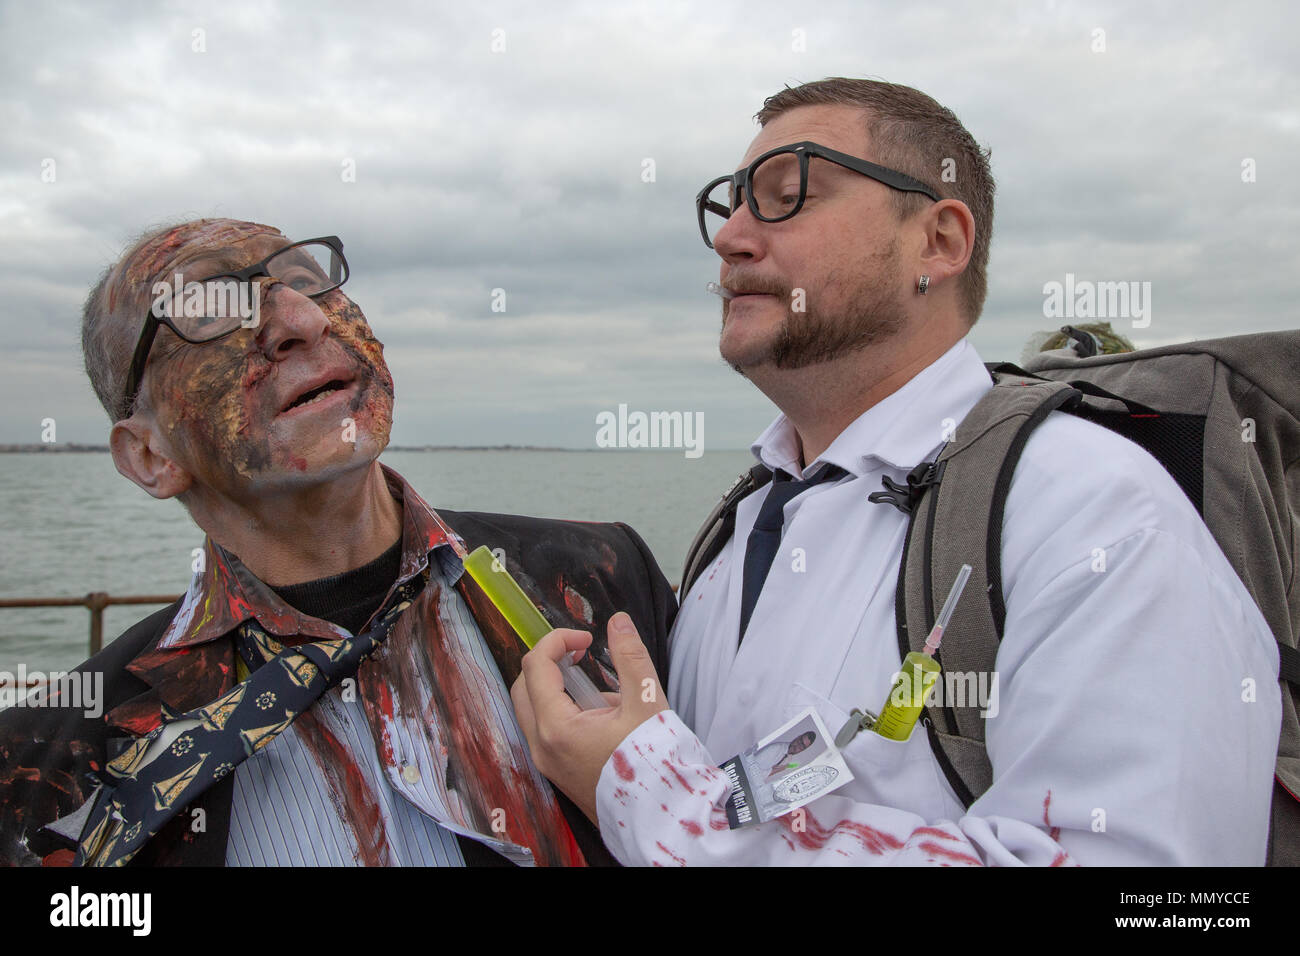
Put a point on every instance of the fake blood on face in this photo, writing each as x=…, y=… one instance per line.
x=219, y=401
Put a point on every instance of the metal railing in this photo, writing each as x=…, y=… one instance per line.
x=95, y=602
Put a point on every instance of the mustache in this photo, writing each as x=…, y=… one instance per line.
x=742, y=282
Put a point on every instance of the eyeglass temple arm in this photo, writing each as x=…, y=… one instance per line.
x=138, y=361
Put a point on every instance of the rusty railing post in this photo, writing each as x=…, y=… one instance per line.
x=96, y=601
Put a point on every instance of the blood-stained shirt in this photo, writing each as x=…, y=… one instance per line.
x=383, y=769
x=1135, y=714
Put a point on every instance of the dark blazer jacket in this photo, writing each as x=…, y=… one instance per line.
x=580, y=573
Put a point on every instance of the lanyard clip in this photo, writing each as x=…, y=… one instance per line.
x=859, y=721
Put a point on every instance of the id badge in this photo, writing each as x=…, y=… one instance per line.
x=792, y=766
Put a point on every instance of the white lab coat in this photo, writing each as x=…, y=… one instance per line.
x=1137, y=710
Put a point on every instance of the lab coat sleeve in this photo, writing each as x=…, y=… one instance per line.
x=660, y=803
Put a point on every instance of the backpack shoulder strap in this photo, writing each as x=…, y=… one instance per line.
x=957, y=520
x=719, y=526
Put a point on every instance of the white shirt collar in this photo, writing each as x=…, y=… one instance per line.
x=901, y=430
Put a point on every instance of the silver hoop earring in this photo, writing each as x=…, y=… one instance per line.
x=922, y=284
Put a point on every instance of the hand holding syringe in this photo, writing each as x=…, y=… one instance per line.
x=527, y=621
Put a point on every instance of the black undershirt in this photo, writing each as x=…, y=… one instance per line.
x=349, y=600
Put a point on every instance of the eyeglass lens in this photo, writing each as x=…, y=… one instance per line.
x=216, y=306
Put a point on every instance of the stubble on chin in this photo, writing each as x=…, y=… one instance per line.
x=872, y=313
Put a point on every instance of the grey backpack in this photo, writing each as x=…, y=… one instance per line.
x=1221, y=415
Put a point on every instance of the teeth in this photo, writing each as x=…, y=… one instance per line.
x=325, y=394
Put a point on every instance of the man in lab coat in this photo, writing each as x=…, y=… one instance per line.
x=854, y=239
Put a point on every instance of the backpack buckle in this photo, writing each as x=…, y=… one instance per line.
x=905, y=497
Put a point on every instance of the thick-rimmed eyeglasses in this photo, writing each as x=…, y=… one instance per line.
x=209, y=309
x=776, y=184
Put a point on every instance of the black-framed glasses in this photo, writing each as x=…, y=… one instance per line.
x=209, y=309
x=776, y=184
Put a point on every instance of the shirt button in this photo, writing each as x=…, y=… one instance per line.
x=410, y=773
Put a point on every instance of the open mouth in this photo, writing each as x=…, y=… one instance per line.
x=321, y=393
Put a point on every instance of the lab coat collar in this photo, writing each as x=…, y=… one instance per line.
x=900, y=431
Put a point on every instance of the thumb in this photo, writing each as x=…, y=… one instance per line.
x=631, y=659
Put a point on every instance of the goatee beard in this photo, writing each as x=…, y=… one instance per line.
x=874, y=313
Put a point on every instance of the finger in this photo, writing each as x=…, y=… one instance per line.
x=562, y=641
x=540, y=665
x=631, y=659
x=551, y=706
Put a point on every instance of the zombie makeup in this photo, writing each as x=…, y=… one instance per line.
x=224, y=403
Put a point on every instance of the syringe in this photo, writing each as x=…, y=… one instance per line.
x=717, y=289
x=504, y=592
x=945, y=614
x=920, y=671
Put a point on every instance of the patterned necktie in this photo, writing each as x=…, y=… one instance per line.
x=765, y=538
x=160, y=774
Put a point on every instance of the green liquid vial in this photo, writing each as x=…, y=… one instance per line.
x=507, y=595
x=907, y=696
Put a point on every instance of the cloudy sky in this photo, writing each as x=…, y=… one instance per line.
x=521, y=169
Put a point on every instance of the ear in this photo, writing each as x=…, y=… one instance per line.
x=949, y=239
x=137, y=455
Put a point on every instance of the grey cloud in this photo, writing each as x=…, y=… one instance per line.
x=522, y=170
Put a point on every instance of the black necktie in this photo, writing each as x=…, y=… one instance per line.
x=765, y=539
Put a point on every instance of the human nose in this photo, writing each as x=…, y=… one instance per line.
x=740, y=238
x=289, y=319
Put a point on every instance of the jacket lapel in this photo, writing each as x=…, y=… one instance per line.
x=181, y=679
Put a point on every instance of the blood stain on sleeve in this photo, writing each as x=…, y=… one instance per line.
x=934, y=849
x=691, y=827
x=680, y=778
x=622, y=767
x=677, y=859
x=1053, y=832
x=814, y=836
x=934, y=832
x=1060, y=859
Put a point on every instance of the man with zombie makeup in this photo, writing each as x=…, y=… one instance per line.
x=245, y=700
